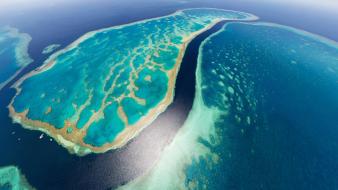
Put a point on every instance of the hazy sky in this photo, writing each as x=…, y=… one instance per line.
x=21, y=6
x=326, y=4
x=333, y=4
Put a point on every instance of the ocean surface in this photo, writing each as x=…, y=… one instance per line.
x=38, y=157
x=279, y=122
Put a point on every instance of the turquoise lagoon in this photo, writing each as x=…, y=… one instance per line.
x=13, y=53
x=262, y=115
x=104, y=88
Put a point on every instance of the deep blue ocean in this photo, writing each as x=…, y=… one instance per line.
x=47, y=165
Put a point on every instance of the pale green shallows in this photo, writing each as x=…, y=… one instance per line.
x=12, y=179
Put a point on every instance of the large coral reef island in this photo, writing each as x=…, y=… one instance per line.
x=104, y=88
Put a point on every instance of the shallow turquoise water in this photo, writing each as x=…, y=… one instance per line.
x=11, y=178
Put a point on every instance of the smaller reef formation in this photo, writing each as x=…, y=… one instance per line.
x=50, y=49
x=12, y=179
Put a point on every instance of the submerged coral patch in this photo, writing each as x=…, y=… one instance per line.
x=13, y=53
x=50, y=48
x=12, y=179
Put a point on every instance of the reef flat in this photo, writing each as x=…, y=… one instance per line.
x=12, y=179
x=13, y=53
x=104, y=88
x=262, y=115
x=50, y=48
